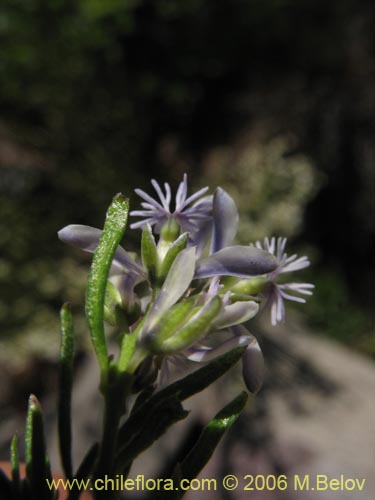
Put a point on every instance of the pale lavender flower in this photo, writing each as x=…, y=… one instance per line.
x=239, y=336
x=125, y=273
x=190, y=212
x=278, y=292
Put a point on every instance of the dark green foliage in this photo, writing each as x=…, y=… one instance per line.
x=37, y=464
x=65, y=389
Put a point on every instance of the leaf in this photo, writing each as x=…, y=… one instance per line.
x=37, y=465
x=14, y=459
x=211, y=435
x=154, y=425
x=113, y=232
x=145, y=415
x=202, y=378
x=65, y=389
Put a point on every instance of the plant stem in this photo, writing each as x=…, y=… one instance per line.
x=116, y=391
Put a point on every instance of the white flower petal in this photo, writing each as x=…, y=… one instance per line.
x=236, y=313
x=225, y=220
x=202, y=354
x=87, y=238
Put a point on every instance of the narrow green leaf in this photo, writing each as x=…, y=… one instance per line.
x=205, y=376
x=182, y=389
x=113, y=232
x=149, y=252
x=154, y=425
x=211, y=435
x=142, y=397
x=65, y=389
x=14, y=459
x=37, y=464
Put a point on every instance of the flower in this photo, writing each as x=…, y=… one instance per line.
x=125, y=273
x=275, y=292
x=199, y=287
x=157, y=213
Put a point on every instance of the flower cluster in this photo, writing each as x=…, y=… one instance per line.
x=190, y=292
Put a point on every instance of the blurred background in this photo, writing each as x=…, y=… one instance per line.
x=272, y=100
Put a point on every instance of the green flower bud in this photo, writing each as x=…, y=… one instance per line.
x=173, y=320
x=149, y=252
x=168, y=234
x=116, y=313
x=194, y=329
x=250, y=286
x=176, y=247
x=170, y=230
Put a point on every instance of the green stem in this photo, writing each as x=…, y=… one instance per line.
x=116, y=391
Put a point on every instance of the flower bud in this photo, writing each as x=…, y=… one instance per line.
x=176, y=247
x=149, y=252
x=250, y=286
x=194, y=329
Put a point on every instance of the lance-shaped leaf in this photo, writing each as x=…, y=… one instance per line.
x=65, y=389
x=184, y=388
x=149, y=252
x=87, y=238
x=194, y=329
x=37, y=464
x=211, y=435
x=165, y=413
x=225, y=220
x=113, y=232
x=176, y=247
x=15, y=465
x=238, y=260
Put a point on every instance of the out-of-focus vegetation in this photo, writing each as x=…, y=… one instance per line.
x=256, y=173
x=333, y=312
x=97, y=96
